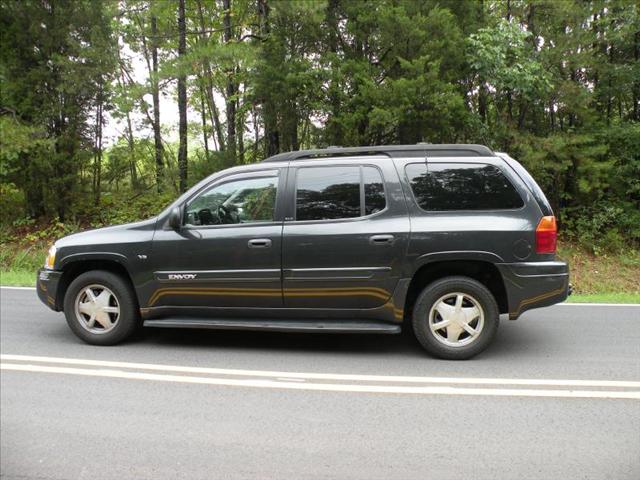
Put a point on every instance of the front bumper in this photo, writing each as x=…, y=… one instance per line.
x=534, y=284
x=47, y=288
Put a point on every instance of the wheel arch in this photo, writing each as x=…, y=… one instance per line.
x=72, y=268
x=481, y=270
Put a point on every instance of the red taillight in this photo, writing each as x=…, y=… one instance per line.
x=546, y=235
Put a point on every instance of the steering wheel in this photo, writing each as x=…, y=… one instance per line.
x=205, y=217
x=225, y=215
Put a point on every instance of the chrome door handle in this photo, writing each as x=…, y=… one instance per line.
x=259, y=243
x=381, y=239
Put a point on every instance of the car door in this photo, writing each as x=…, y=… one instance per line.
x=345, y=234
x=228, y=251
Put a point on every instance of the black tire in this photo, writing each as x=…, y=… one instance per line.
x=440, y=288
x=129, y=315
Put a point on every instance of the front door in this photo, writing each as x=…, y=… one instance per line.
x=343, y=245
x=228, y=251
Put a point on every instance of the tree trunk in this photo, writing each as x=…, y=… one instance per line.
x=203, y=116
x=636, y=83
x=97, y=169
x=182, y=98
x=482, y=102
x=335, y=133
x=240, y=134
x=609, y=82
x=269, y=114
x=213, y=109
x=256, y=133
x=231, y=89
x=159, y=149
x=132, y=156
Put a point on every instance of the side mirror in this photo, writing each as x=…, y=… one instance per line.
x=175, y=218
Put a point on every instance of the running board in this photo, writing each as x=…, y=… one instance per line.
x=324, y=326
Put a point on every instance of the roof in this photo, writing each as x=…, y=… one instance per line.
x=427, y=149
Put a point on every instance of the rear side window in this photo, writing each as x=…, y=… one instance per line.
x=332, y=193
x=461, y=186
x=534, y=188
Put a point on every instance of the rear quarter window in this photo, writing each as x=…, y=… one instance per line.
x=461, y=186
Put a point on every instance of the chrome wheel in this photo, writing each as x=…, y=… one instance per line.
x=456, y=319
x=97, y=309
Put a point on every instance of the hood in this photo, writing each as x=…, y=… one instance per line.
x=124, y=233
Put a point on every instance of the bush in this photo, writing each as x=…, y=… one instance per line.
x=603, y=227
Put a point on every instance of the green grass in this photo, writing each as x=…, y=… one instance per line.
x=605, y=298
x=18, y=278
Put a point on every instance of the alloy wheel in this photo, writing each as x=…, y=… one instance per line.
x=97, y=309
x=456, y=319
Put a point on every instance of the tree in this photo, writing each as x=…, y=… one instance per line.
x=53, y=80
x=182, y=99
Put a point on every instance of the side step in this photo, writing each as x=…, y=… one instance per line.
x=317, y=326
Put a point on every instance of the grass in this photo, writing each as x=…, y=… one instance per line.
x=605, y=278
x=605, y=298
x=605, y=275
x=18, y=278
x=18, y=266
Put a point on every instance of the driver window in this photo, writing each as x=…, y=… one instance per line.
x=248, y=200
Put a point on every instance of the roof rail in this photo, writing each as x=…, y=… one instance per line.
x=428, y=150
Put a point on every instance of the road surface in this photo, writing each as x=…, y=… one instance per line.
x=557, y=396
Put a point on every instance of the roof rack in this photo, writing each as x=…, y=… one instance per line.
x=432, y=150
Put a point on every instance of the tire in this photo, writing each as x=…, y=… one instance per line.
x=80, y=308
x=438, y=303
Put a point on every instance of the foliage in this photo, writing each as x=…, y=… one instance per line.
x=556, y=84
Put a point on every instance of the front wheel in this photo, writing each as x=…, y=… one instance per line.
x=455, y=318
x=101, y=308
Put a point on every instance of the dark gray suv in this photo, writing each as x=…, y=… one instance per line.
x=442, y=237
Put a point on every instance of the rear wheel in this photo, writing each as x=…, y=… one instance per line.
x=455, y=318
x=101, y=308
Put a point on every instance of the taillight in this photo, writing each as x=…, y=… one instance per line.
x=546, y=235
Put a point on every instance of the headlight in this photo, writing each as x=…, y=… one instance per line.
x=51, y=258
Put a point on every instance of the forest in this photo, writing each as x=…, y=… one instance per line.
x=84, y=140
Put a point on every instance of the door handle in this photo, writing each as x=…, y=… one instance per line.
x=381, y=239
x=259, y=243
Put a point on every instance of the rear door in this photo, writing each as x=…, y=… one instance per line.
x=345, y=233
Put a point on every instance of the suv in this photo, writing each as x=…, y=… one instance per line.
x=442, y=237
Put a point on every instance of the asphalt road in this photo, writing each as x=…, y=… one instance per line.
x=258, y=405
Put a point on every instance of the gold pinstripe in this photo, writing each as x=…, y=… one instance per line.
x=270, y=292
x=529, y=301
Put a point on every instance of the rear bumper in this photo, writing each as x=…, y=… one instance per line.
x=47, y=287
x=534, y=285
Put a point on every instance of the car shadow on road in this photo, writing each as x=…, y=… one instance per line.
x=525, y=337
x=512, y=339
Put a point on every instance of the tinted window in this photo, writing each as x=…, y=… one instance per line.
x=460, y=186
x=374, y=200
x=330, y=193
x=325, y=193
x=247, y=200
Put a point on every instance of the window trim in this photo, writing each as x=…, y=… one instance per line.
x=232, y=177
x=362, y=194
x=426, y=163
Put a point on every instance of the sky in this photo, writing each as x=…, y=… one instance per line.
x=115, y=128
